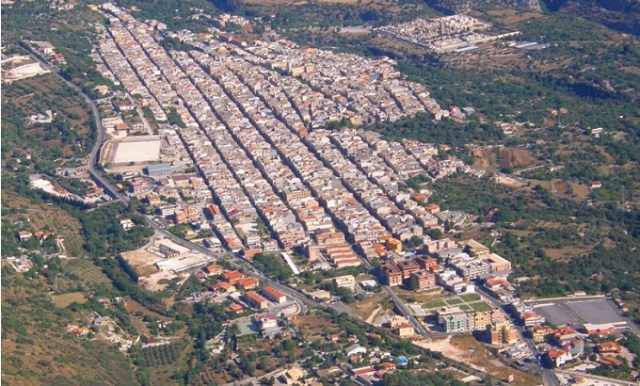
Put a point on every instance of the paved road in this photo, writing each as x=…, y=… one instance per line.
x=549, y=378
x=406, y=312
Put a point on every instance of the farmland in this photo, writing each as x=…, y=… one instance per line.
x=162, y=355
x=89, y=274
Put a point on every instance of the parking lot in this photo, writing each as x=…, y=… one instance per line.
x=579, y=312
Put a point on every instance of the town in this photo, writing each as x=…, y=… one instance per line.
x=254, y=149
x=253, y=152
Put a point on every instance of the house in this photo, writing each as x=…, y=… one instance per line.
x=394, y=245
x=320, y=295
x=432, y=208
x=247, y=283
x=539, y=333
x=236, y=308
x=213, y=269
x=255, y=300
x=292, y=376
x=126, y=224
x=232, y=277
x=222, y=287
x=531, y=319
x=405, y=330
x=608, y=347
x=24, y=235
x=596, y=184
x=102, y=321
x=609, y=361
x=564, y=334
x=268, y=324
x=274, y=295
x=386, y=366
x=346, y=281
x=354, y=350
x=558, y=357
x=396, y=321
x=368, y=370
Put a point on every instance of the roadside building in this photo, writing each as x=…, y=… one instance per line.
x=255, y=300
x=424, y=280
x=502, y=333
x=405, y=330
x=391, y=273
x=274, y=295
x=247, y=283
x=232, y=277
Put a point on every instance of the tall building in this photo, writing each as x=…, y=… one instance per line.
x=457, y=323
x=391, y=273
x=502, y=333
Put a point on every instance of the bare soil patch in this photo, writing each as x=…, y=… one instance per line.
x=64, y=300
x=363, y=309
x=132, y=306
x=466, y=349
x=516, y=157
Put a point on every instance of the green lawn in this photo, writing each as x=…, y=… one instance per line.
x=465, y=307
x=480, y=307
x=470, y=297
x=454, y=301
x=434, y=304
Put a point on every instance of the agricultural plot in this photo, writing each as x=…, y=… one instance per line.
x=90, y=274
x=162, y=355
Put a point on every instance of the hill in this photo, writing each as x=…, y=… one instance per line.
x=36, y=348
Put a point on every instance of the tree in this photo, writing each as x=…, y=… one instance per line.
x=413, y=283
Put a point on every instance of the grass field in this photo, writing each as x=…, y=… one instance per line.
x=64, y=300
x=454, y=301
x=470, y=297
x=434, y=304
x=480, y=307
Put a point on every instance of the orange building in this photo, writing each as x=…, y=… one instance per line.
x=247, y=283
x=391, y=273
x=232, y=277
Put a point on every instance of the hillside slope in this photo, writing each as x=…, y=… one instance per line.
x=37, y=350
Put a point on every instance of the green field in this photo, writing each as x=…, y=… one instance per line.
x=434, y=304
x=470, y=297
x=480, y=307
x=454, y=301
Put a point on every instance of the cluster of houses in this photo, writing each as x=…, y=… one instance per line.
x=569, y=343
x=93, y=195
x=450, y=264
x=235, y=281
